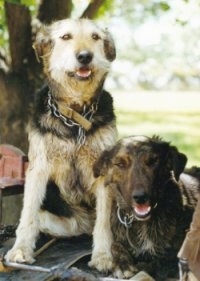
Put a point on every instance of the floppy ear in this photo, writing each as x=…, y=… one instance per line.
x=43, y=43
x=179, y=161
x=109, y=46
x=101, y=165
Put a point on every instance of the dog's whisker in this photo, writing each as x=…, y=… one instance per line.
x=173, y=176
x=155, y=205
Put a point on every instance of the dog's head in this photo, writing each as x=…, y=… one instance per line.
x=139, y=169
x=75, y=50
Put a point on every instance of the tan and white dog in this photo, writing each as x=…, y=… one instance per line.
x=72, y=123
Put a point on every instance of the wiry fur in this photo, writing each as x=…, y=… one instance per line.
x=143, y=175
x=60, y=189
x=189, y=181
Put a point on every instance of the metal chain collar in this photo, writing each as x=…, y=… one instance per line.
x=183, y=269
x=126, y=220
x=88, y=114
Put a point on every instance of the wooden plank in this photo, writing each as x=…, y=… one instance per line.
x=60, y=256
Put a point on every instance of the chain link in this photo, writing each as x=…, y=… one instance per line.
x=81, y=137
x=126, y=220
x=183, y=269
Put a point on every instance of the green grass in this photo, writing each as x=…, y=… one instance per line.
x=173, y=116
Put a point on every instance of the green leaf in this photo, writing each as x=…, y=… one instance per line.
x=1, y=4
x=15, y=1
x=164, y=6
x=28, y=2
x=107, y=6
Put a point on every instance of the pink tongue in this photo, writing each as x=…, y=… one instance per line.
x=142, y=209
x=83, y=73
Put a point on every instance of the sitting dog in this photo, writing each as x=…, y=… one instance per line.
x=73, y=122
x=151, y=210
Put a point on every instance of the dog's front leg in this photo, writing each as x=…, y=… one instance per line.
x=102, y=235
x=28, y=228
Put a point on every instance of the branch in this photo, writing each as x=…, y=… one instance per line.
x=3, y=62
x=92, y=8
x=19, y=27
x=50, y=10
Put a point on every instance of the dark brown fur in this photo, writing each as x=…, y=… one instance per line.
x=143, y=174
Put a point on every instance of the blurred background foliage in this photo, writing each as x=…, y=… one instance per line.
x=158, y=43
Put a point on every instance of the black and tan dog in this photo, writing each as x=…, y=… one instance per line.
x=73, y=123
x=152, y=210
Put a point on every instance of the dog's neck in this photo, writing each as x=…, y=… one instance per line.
x=75, y=100
x=69, y=116
x=73, y=114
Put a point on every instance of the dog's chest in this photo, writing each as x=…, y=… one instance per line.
x=150, y=239
x=71, y=169
x=146, y=239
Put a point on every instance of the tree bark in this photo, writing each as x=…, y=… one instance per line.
x=18, y=85
x=92, y=9
x=19, y=27
x=51, y=10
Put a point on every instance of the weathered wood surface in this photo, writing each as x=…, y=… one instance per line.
x=67, y=259
x=59, y=257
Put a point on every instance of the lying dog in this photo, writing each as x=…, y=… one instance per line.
x=152, y=211
x=73, y=122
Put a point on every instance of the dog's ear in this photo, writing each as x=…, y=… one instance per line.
x=179, y=161
x=43, y=43
x=109, y=46
x=101, y=165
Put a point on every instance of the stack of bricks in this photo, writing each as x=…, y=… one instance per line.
x=13, y=165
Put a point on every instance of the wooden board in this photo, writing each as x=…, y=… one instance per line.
x=63, y=254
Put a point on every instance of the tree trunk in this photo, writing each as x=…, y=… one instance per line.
x=19, y=26
x=17, y=86
x=51, y=10
x=92, y=8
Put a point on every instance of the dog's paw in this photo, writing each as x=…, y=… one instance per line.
x=123, y=264
x=19, y=255
x=102, y=261
x=126, y=273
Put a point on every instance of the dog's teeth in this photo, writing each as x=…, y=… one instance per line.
x=83, y=73
x=142, y=210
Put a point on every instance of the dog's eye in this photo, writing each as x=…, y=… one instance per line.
x=119, y=164
x=66, y=36
x=95, y=36
x=122, y=164
x=152, y=161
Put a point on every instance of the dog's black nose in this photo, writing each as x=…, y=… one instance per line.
x=84, y=57
x=140, y=197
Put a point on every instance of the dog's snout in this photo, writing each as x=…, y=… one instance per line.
x=84, y=57
x=140, y=197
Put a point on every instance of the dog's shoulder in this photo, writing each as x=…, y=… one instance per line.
x=106, y=101
x=40, y=107
x=105, y=111
x=41, y=100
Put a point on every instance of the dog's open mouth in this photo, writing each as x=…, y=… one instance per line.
x=83, y=73
x=142, y=211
